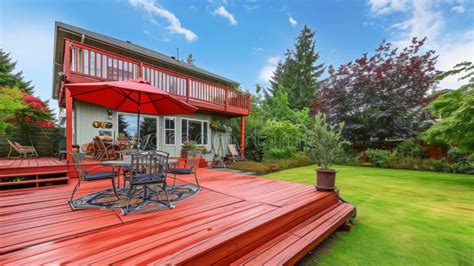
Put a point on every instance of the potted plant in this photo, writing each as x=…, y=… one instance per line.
x=273, y=166
x=191, y=146
x=216, y=124
x=324, y=141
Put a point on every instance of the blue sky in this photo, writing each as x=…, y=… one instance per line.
x=241, y=40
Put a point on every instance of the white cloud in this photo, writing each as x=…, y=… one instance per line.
x=387, y=6
x=221, y=11
x=153, y=21
x=426, y=19
x=251, y=5
x=174, y=24
x=292, y=21
x=458, y=9
x=266, y=72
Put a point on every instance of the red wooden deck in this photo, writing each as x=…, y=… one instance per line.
x=37, y=171
x=236, y=218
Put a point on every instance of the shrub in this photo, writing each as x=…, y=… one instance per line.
x=435, y=165
x=409, y=148
x=281, y=134
x=259, y=168
x=296, y=161
x=378, y=158
x=279, y=153
x=405, y=163
x=254, y=146
x=345, y=155
x=264, y=167
x=460, y=161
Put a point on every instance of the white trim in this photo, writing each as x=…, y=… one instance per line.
x=158, y=142
x=175, y=128
x=202, y=129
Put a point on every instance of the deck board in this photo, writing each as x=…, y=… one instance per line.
x=39, y=227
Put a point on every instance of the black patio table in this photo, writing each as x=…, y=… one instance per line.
x=120, y=164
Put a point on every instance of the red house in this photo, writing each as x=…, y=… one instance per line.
x=85, y=56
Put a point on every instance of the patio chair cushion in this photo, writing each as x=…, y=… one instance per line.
x=143, y=179
x=183, y=171
x=99, y=175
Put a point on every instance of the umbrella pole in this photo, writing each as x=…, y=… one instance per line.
x=138, y=125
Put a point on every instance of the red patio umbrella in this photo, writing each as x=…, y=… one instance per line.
x=130, y=96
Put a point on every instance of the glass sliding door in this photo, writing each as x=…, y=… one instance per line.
x=127, y=129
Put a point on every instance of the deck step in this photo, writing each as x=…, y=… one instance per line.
x=19, y=174
x=246, y=238
x=291, y=246
x=34, y=181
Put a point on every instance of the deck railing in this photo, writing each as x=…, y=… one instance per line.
x=94, y=63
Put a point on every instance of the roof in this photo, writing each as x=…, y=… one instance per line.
x=135, y=49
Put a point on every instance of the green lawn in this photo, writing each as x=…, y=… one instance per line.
x=404, y=217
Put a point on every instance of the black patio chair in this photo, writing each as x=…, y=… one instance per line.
x=84, y=175
x=61, y=148
x=148, y=170
x=191, y=164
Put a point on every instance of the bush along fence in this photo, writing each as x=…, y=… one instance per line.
x=44, y=140
x=414, y=156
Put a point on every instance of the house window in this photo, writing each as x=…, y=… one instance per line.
x=127, y=128
x=170, y=130
x=194, y=130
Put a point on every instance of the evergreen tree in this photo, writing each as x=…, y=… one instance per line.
x=281, y=78
x=298, y=74
x=304, y=71
x=190, y=59
x=123, y=126
x=10, y=80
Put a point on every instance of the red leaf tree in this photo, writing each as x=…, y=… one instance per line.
x=382, y=96
x=32, y=113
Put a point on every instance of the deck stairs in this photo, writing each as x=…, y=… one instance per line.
x=270, y=240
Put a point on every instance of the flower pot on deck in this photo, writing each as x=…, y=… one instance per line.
x=326, y=179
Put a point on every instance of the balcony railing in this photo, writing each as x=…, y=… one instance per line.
x=93, y=63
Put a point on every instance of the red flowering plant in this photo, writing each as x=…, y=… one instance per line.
x=22, y=113
x=35, y=113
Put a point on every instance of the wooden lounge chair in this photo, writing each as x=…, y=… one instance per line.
x=23, y=151
x=103, y=152
x=234, y=156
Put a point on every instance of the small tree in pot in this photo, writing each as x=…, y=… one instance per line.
x=324, y=141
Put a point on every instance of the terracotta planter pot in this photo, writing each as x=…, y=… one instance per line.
x=326, y=179
x=273, y=167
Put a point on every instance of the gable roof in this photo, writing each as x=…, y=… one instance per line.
x=131, y=47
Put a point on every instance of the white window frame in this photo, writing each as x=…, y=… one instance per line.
x=187, y=129
x=165, y=129
x=144, y=116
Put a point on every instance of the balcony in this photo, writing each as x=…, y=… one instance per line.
x=87, y=63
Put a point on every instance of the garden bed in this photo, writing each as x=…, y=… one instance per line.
x=265, y=167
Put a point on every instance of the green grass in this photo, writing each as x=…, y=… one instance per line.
x=404, y=217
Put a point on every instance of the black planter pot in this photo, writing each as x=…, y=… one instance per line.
x=326, y=179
